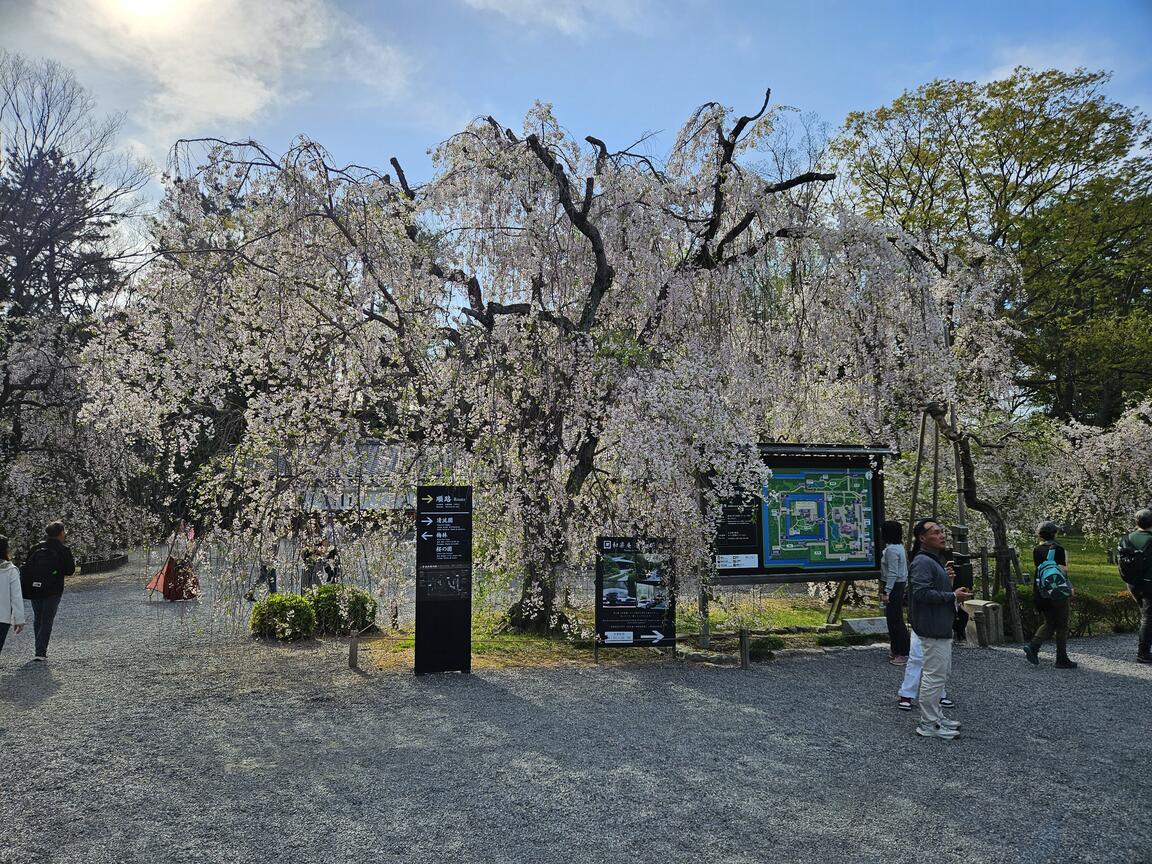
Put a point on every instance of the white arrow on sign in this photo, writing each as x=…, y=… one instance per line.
x=427, y=520
x=655, y=636
x=427, y=499
x=425, y=536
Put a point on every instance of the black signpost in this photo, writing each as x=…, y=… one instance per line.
x=635, y=593
x=443, y=579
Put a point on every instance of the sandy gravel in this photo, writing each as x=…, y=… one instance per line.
x=154, y=735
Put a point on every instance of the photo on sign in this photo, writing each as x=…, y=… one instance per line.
x=634, y=580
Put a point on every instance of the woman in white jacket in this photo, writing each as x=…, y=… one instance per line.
x=11, y=600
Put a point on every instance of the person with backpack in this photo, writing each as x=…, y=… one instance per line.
x=1134, y=557
x=11, y=599
x=42, y=581
x=1052, y=593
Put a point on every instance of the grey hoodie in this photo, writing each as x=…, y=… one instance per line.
x=933, y=603
x=11, y=600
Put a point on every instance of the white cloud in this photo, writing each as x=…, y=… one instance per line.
x=567, y=16
x=1065, y=56
x=193, y=67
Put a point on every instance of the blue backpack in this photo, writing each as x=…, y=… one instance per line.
x=1051, y=583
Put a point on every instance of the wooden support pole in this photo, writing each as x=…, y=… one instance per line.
x=837, y=603
x=354, y=651
x=705, y=638
x=745, y=656
x=985, y=590
x=916, y=480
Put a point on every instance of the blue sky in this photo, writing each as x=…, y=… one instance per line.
x=370, y=80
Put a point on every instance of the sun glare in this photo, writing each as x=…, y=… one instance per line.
x=145, y=8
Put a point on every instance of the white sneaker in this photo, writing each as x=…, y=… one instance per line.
x=937, y=732
x=946, y=723
x=39, y=659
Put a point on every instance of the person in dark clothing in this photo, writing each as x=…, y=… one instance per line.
x=1054, y=609
x=1141, y=591
x=47, y=601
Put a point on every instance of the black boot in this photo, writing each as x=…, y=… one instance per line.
x=1065, y=663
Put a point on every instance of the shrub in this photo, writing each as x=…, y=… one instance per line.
x=285, y=617
x=342, y=609
x=1114, y=613
x=1030, y=616
x=762, y=648
x=1121, y=612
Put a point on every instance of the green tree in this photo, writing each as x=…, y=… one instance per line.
x=1043, y=165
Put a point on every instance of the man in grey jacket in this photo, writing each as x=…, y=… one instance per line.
x=933, y=608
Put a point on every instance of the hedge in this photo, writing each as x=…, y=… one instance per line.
x=284, y=617
x=1110, y=613
x=342, y=609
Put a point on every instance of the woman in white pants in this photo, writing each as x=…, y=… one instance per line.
x=911, y=683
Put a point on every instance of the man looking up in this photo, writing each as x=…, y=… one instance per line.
x=933, y=608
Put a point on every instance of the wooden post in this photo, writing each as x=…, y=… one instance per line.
x=981, y=621
x=936, y=473
x=837, y=603
x=985, y=593
x=705, y=639
x=916, y=480
x=1010, y=580
x=354, y=651
x=745, y=658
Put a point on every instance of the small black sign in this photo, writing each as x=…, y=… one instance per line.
x=635, y=592
x=443, y=579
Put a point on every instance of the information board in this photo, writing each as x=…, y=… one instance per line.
x=635, y=592
x=443, y=579
x=817, y=518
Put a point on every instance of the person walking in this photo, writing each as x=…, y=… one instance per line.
x=1140, y=583
x=933, y=607
x=11, y=598
x=1053, y=595
x=894, y=572
x=42, y=580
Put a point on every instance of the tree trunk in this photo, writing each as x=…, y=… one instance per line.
x=996, y=523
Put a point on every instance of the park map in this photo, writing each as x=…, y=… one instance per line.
x=819, y=518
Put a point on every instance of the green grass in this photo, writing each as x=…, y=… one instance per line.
x=767, y=611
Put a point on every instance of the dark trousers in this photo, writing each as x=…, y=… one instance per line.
x=44, y=610
x=1143, y=596
x=898, y=635
x=3, y=633
x=1055, y=624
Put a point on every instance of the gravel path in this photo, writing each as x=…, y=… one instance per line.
x=152, y=736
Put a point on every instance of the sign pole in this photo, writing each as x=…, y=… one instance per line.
x=443, y=579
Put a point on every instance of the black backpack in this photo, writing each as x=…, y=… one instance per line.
x=1135, y=564
x=40, y=575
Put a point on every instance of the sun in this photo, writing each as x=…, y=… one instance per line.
x=149, y=19
x=145, y=8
